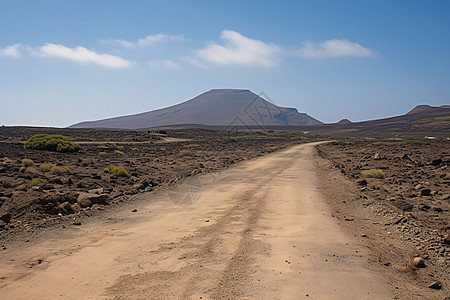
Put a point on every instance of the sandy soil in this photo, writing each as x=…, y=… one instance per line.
x=259, y=230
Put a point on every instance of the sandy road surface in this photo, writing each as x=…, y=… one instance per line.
x=259, y=230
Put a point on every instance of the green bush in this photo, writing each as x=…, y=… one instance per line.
x=374, y=173
x=118, y=171
x=60, y=170
x=37, y=181
x=50, y=142
x=46, y=167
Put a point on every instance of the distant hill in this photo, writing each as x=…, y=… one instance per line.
x=344, y=121
x=219, y=107
x=427, y=109
x=423, y=120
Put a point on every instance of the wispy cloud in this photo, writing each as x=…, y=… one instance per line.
x=333, y=48
x=83, y=55
x=12, y=51
x=239, y=50
x=163, y=63
x=146, y=41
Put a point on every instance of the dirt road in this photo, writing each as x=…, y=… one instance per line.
x=259, y=230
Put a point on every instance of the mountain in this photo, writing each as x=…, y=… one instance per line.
x=423, y=120
x=344, y=121
x=218, y=107
x=427, y=109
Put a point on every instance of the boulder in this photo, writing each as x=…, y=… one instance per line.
x=435, y=285
x=75, y=207
x=425, y=192
x=6, y=218
x=88, y=199
x=436, y=162
x=84, y=202
x=419, y=262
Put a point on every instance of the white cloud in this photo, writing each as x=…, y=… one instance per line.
x=146, y=41
x=151, y=39
x=122, y=43
x=241, y=50
x=163, y=63
x=12, y=51
x=332, y=48
x=83, y=55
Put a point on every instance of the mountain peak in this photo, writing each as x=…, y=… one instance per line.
x=217, y=107
x=419, y=109
x=344, y=121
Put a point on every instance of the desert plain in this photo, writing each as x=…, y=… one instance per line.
x=210, y=214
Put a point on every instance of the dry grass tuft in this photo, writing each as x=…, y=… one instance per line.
x=373, y=173
x=118, y=171
x=46, y=167
x=37, y=181
x=186, y=153
x=60, y=170
x=27, y=162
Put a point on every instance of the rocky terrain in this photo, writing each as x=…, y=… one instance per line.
x=83, y=182
x=412, y=200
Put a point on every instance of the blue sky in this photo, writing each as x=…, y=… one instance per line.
x=62, y=62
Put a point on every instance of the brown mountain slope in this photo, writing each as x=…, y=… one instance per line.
x=421, y=121
x=222, y=107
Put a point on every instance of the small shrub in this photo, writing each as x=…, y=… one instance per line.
x=32, y=170
x=186, y=153
x=38, y=181
x=118, y=171
x=374, y=173
x=406, y=137
x=52, y=143
x=46, y=167
x=27, y=162
x=230, y=140
x=60, y=170
x=413, y=142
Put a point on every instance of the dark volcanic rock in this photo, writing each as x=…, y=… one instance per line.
x=6, y=218
x=425, y=192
